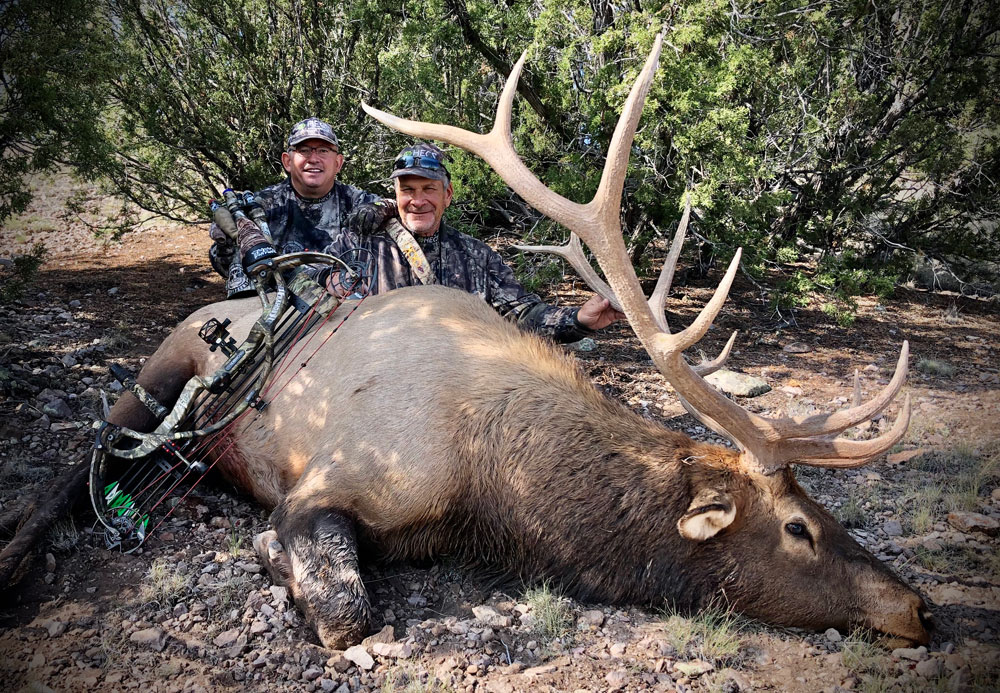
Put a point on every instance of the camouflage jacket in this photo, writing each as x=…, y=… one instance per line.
x=463, y=262
x=296, y=223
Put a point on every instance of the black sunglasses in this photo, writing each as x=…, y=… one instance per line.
x=411, y=160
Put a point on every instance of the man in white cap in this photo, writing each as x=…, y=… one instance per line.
x=306, y=211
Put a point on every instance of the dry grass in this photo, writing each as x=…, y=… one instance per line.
x=163, y=584
x=551, y=612
x=713, y=634
x=406, y=679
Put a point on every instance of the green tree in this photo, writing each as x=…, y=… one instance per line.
x=52, y=65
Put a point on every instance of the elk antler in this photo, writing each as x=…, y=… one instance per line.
x=767, y=444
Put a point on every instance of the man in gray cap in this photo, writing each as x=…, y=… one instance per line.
x=306, y=211
x=415, y=246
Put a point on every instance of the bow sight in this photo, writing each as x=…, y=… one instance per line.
x=134, y=475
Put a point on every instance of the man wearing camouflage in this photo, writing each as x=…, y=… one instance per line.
x=423, y=192
x=306, y=211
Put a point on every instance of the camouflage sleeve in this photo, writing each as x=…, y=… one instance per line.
x=220, y=254
x=528, y=310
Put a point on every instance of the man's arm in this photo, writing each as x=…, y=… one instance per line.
x=564, y=325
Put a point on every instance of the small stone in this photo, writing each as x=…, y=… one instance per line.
x=258, y=627
x=279, y=593
x=540, y=670
x=417, y=600
x=973, y=522
x=58, y=409
x=249, y=567
x=833, y=635
x=37, y=660
x=339, y=663
x=54, y=628
x=585, y=344
x=227, y=638
x=893, y=528
x=929, y=668
x=386, y=635
x=327, y=685
x=591, y=617
x=50, y=563
x=312, y=673
x=696, y=667
x=394, y=650
x=914, y=654
x=616, y=679
x=113, y=291
x=617, y=650
x=489, y=616
x=153, y=638
x=797, y=348
x=68, y=360
x=360, y=657
x=738, y=384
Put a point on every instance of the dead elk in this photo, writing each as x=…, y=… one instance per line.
x=431, y=426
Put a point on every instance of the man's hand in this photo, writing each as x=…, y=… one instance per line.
x=597, y=313
x=367, y=219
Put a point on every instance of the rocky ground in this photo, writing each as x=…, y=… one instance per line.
x=192, y=610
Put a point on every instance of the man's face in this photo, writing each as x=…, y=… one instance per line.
x=422, y=202
x=313, y=174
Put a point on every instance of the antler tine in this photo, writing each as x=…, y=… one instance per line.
x=825, y=424
x=846, y=454
x=658, y=299
x=708, y=367
x=572, y=253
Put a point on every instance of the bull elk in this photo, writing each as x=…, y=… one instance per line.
x=431, y=426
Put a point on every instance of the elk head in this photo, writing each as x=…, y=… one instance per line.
x=778, y=555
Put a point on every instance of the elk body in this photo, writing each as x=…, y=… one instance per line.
x=430, y=426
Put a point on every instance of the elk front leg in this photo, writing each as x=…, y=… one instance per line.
x=313, y=552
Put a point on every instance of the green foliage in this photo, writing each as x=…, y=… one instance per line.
x=52, y=63
x=16, y=277
x=860, y=127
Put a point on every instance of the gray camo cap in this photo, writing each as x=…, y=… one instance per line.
x=312, y=128
x=421, y=159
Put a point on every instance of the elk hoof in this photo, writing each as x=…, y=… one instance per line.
x=273, y=556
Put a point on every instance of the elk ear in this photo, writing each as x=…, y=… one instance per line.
x=710, y=512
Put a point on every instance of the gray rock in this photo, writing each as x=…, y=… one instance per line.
x=585, y=344
x=327, y=685
x=75, y=303
x=57, y=409
x=738, y=384
x=489, y=616
x=929, y=668
x=797, y=348
x=360, y=657
x=833, y=635
x=893, y=528
x=973, y=522
x=591, y=617
x=68, y=360
x=54, y=628
x=153, y=638
x=113, y=291
x=279, y=593
x=312, y=673
x=914, y=654
x=227, y=638
x=616, y=679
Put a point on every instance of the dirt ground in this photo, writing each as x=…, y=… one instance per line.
x=192, y=610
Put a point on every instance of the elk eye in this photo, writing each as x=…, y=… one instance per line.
x=796, y=529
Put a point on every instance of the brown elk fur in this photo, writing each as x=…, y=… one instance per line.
x=429, y=426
